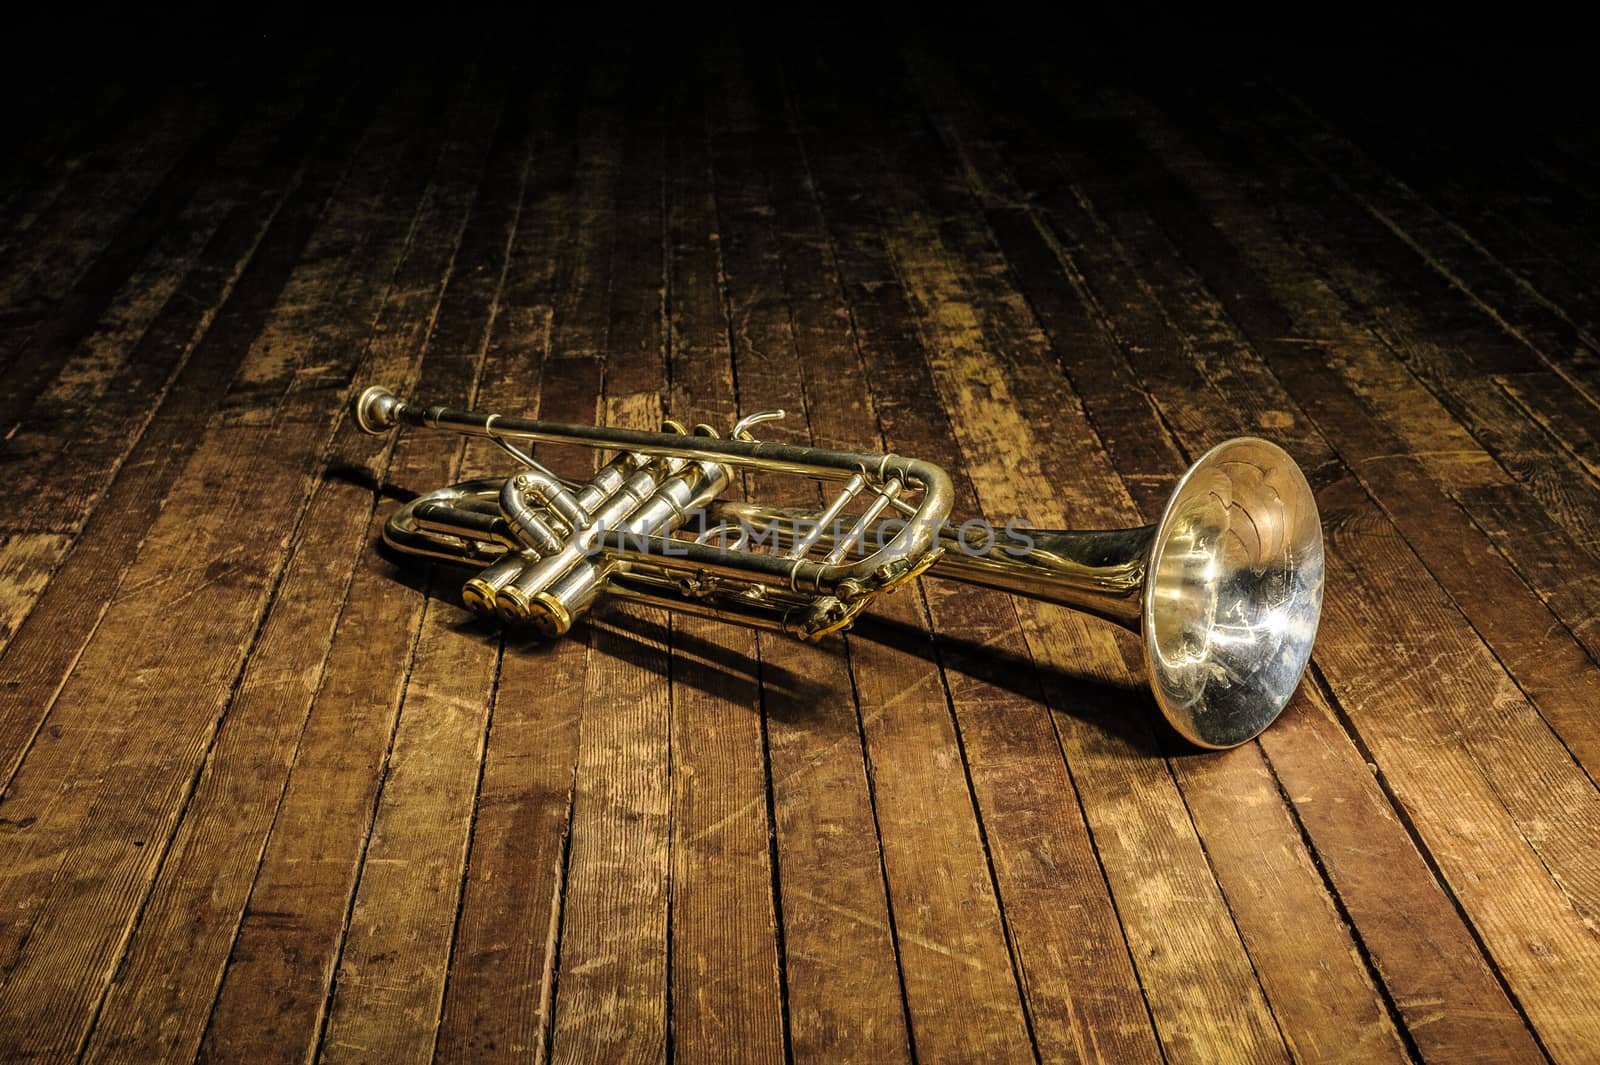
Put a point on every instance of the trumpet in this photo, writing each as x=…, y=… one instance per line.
x=1225, y=589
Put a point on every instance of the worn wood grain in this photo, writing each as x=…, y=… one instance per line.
x=1269, y=405
x=1183, y=404
x=955, y=954
x=44, y=651
x=612, y=978
x=612, y=982
x=1550, y=480
x=1535, y=321
x=1233, y=798
x=84, y=218
x=209, y=584
x=27, y=561
x=496, y=1004
x=1508, y=205
x=967, y=328
x=389, y=988
x=727, y=1002
x=841, y=970
x=1481, y=586
x=78, y=277
x=270, y=794
x=286, y=942
x=56, y=144
x=1054, y=892
x=114, y=381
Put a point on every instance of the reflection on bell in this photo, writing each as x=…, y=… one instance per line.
x=1233, y=592
x=1226, y=589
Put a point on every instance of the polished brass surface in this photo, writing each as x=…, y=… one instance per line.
x=1225, y=590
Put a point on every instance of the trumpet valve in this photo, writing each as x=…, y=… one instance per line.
x=553, y=610
x=512, y=604
x=479, y=591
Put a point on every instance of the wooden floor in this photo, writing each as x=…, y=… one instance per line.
x=271, y=797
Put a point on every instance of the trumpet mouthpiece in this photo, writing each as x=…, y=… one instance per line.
x=376, y=411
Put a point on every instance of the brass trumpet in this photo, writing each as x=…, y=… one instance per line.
x=1226, y=589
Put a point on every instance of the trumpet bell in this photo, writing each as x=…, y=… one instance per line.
x=1233, y=593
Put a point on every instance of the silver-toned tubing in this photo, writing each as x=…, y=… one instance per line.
x=1099, y=572
x=404, y=533
x=377, y=409
x=555, y=607
x=478, y=592
x=610, y=477
x=548, y=489
x=830, y=514
x=886, y=495
x=453, y=520
x=524, y=522
x=515, y=600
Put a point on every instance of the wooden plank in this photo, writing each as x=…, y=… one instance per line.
x=1299, y=946
x=611, y=991
x=45, y=649
x=1540, y=654
x=389, y=988
x=71, y=441
x=968, y=301
x=167, y=978
x=26, y=562
x=104, y=869
x=1572, y=598
x=1120, y=167
x=1552, y=668
x=388, y=993
x=840, y=929
x=71, y=444
x=960, y=982
x=1373, y=278
x=842, y=992
x=77, y=275
x=1451, y=1001
x=611, y=982
x=100, y=199
x=1305, y=750
x=290, y=932
x=1496, y=1031
x=83, y=114
x=727, y=1002
x=1145, y=839
x=1083, y=996
x=189, y=921
x=843, y=998
x=497, y=1000
x=281, y=946
x=1536, y=322
x=1009, y=408
x=1485, y=1024
x=1505, y=202
x=1551, y=403
x=1532, y=926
